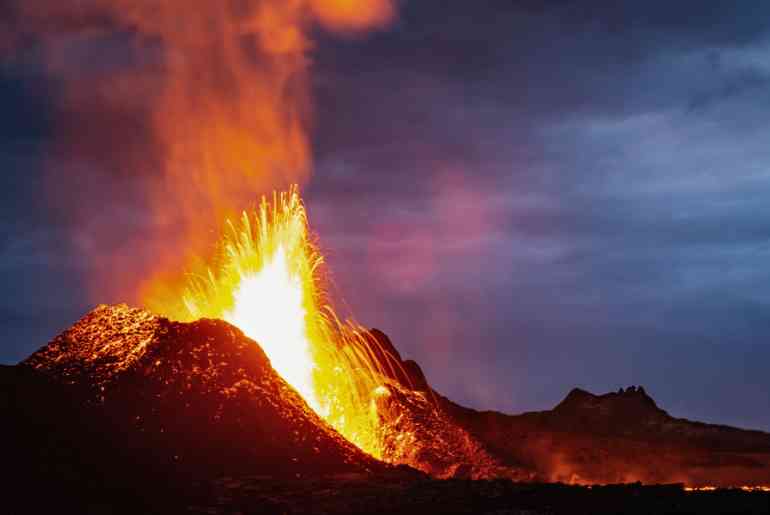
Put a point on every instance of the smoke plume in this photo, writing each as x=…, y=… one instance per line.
x=222, y=96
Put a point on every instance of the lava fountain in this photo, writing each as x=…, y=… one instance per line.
x=266, y=280
x=226, y=100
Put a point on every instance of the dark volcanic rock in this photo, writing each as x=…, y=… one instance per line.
x=200, y=396
x=406, y=373
x=612, y=413
x=416, y=431
x=124, y=398
x=617, y=438
x=396, y=494
x=127, y=412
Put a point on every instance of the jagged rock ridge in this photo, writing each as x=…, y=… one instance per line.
x=618, y=437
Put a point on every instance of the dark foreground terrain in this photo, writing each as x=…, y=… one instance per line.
x=129, y=413
x=349, y=495
x=399, y=492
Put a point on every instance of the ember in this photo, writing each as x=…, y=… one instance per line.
x=231, y=122
x=267, y=282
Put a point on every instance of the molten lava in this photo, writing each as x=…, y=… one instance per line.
x=277, y=321
x=710, y=488
x=266, y=282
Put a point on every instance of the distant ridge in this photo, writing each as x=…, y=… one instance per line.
x=619, y=437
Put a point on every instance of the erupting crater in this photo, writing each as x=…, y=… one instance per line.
x=266, y=279
x=332, y=395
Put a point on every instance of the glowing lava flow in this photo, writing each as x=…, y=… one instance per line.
x=765, y=489
x=266, y=282
x=269, y=309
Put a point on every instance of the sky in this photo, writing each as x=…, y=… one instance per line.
x=526, y=196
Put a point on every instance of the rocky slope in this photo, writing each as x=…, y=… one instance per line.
x=619, y=437
x=416, y=431
x=201, y=395
x=126, y=395
x=126, y=405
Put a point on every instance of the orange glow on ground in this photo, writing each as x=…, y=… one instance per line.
x=745, y=488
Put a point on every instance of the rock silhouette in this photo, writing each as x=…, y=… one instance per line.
x=618, y=437
x=128, y=412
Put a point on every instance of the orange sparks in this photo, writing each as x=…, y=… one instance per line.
x=266, y=281
x=233, y=117
x=226, y=104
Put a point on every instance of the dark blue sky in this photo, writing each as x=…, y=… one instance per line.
x=527, y=196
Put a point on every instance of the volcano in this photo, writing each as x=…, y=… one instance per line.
x=128, y=408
